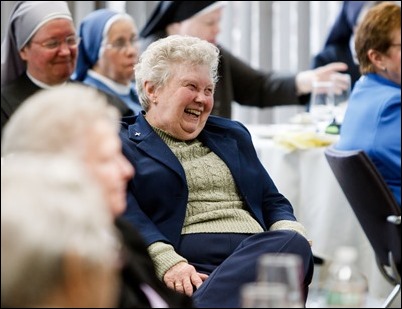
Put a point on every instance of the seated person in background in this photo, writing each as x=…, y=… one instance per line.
x=39, y=51
x=373, y=118
x=107, y=54
x=238, y=81
x=202, y=200
x=59, y=248
x=77, y=120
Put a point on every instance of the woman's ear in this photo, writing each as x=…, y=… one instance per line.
x=23, y=53
x=376, y=59
x=150, y=90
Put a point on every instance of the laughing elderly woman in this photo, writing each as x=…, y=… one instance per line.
x=202, y=200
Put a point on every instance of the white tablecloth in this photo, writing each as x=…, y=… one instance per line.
x=305, y=178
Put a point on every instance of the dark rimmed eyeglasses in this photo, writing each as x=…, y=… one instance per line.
x=71, y=41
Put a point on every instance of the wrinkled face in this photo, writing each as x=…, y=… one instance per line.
x=121, y=52
x=392, y=60
x=182, y=106
x=108, y=165
x=204, y=26
x=51, y=66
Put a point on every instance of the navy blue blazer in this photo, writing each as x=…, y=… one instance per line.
x=157, y=195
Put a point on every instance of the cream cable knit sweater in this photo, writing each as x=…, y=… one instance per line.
x=214, y=205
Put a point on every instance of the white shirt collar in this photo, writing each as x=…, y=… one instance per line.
x=42, y=84
x=118, y=88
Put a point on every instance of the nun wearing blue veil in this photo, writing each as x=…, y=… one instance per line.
x=107, y=54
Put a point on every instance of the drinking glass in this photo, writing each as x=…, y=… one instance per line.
x=341, y=89
x=263, y=295
x=286, y=269
x=322, y=104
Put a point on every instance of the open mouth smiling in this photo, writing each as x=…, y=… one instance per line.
x=193, y=112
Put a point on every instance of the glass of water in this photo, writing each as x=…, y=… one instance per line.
x=286, y=269
x=263, y=295
x=322, y=104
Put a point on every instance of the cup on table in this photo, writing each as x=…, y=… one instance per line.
x=263, y=295
x=284, y=269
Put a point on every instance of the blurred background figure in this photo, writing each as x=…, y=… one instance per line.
x=59, y=247
x=77, y=120
x=39, y=51
x=108, y=51
x=373, y=118
x=238, y=81
x=340, y=44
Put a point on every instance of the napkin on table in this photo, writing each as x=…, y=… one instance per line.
x=304, y=140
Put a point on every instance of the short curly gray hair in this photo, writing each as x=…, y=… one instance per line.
x=57, y=120
x=155, y=64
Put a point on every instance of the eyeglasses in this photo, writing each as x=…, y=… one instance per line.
x=71, y=41
x=121, y=45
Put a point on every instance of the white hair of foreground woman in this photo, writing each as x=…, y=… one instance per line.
x=57, y=120
x=55, y=228
x=157, y=63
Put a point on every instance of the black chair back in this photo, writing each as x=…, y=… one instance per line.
x=371, y=200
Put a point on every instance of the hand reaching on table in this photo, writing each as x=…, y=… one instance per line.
x=304, y=80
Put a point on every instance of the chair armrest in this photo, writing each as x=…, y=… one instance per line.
x=394, y=219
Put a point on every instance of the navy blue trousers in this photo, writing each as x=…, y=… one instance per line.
x=231, y=261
